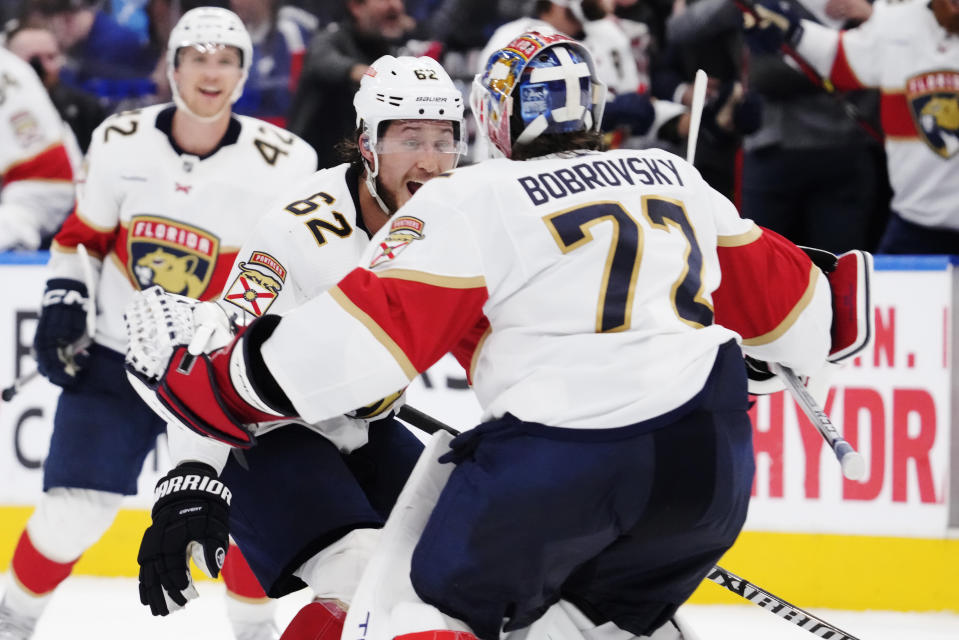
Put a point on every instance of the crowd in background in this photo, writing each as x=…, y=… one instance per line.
x=783, y=149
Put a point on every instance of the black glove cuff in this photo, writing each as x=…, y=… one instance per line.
x=757, y=370
x=190, y=480
x=67, y=283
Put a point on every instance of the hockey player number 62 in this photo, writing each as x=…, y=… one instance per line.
x=570, y=229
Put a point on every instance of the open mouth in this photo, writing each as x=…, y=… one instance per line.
x=413, y=186
x=210, y=93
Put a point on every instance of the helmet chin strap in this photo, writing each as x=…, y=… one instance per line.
x=371, y=182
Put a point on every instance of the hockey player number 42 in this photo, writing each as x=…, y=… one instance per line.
x=571, y=229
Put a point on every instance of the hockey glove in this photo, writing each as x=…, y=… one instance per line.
x=768, y=24
x=60, y=340
x=190, y=519
x=208, y=388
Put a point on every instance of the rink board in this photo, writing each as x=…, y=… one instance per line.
x=811, y=537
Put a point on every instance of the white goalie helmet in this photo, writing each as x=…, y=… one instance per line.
x=209, y=27
x=404, y=88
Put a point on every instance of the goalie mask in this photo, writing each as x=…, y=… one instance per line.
x=538, y=84
x=405, y=88
x=208, y=28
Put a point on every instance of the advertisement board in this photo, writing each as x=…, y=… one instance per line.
x=893, y=403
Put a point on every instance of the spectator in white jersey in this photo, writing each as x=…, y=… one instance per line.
x=309, y=500
x=910, y=52
x=168, y=195
x=38, y=153
x=614, y=464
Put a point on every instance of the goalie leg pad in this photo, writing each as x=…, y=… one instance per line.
x=318, y=620
x=385, y=585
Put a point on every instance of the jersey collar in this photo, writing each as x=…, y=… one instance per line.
x=354, y=175
x=164, y=123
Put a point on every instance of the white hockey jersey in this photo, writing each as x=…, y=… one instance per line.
x=37, y=157
x=303, y=246
x=904, y=52
x=586, y=286
x=151, y=214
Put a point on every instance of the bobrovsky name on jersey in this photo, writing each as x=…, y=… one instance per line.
x=595, y=173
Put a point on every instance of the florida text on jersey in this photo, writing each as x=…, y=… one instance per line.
x=157, y=215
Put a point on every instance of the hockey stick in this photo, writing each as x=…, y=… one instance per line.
x=762, y=598
x=748, y=7
x=424, y=422
x=9, y=392
x=727, y=579
x=852, y=463
x=696, y=114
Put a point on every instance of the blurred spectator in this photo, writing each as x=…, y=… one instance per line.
x=460, y=25
x=103, y=57
x=37, y=159
x=132, y=15
x=910, y=52
x=630, y=117
x=707, y=35
x=810, y=173
x=79, y=109
x=337, y=57
x=652, y=13
x=279, y=44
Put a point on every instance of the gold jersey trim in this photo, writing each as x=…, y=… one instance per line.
x=378, y=332
x=740, y=239
x=790, y=319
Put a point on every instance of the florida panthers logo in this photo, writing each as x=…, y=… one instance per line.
x=178, y=257
x=933, y=100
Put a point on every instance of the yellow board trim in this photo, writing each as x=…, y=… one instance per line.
x=808, y=570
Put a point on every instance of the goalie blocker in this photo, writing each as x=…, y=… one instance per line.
x=849, y=277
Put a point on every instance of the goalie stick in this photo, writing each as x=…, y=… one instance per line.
x=852, y=463
x=726, y=579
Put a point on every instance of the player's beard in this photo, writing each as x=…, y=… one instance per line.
x=947, y=14
x=386, y=196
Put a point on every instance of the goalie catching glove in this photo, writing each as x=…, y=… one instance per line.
x=190, y=519
x=184, y=362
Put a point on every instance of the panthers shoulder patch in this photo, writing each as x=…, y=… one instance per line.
x=258, y=283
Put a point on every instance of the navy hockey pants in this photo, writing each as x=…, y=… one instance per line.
x=299, y=493
x=624, y=523
x=102, y=430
